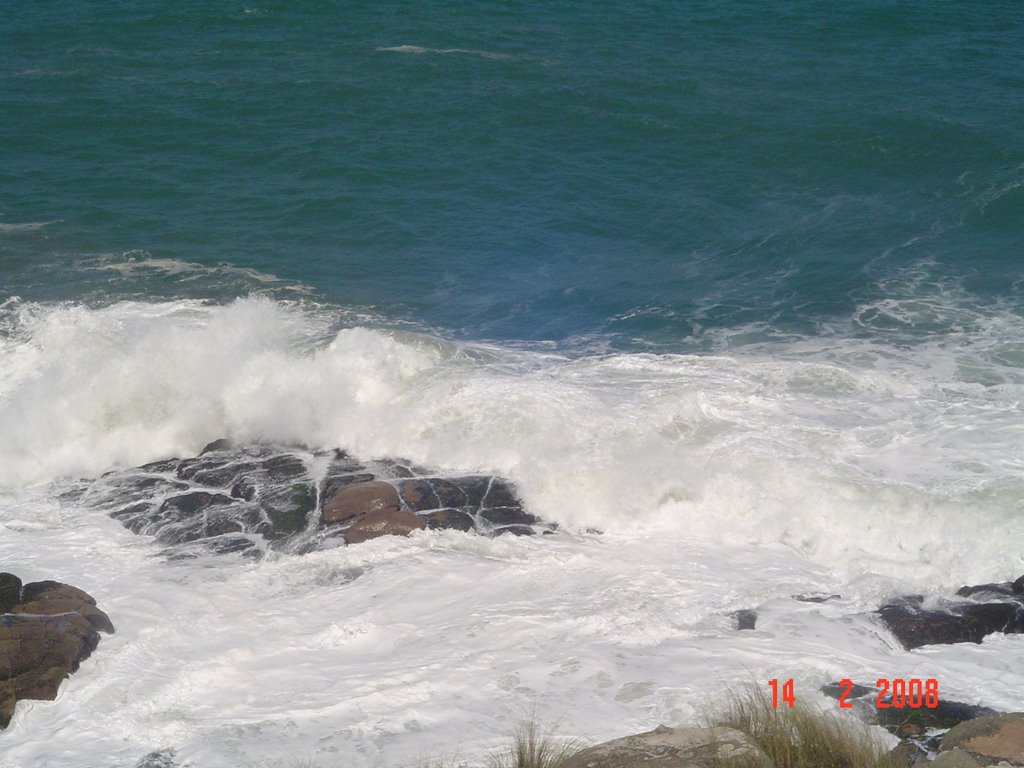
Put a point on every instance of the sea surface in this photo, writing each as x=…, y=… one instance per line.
x=738, y=285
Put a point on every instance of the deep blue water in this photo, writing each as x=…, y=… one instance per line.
x=639, y=173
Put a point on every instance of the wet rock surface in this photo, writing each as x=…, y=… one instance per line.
x=248, y=499
x=46, y=630
x=968, y=617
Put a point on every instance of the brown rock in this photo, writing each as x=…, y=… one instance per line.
x=990, y=739
x=390, y=522
x=43, y=638
x=91, y=613
x=37, y=653
x=355, y=501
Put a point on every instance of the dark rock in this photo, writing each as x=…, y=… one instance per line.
x=745, y=618
x=289, y=510
x=1018, y=586
x=355, y=501
x=284, y=467
x=43, y=638
x=10, y=591
x=474, y=488
x=244, y=488
x=970, y=622
x=256, y=494
x=500, y=494
x=161, y=758
x=921, y=719
x=454, y=519
x=418, y=495
x=857, y=691
x=224, y=476
x=189, y=504
x=507, y=516
x=1004, y=588
x=449, y=494
x=383, y=522
x=164, y=465
x=224, y=444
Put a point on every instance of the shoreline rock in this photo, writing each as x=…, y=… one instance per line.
x=969, y=617
x=46, y=630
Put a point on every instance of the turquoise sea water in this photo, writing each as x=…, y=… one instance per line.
x=739, y=285
x=633, y=174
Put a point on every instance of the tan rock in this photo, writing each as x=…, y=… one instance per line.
x=384, y=523
x=672, y=748
x=955, y=758
x=989, y=739
x=354, y=501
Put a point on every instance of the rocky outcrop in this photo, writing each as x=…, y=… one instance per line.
x=666, y=747
x=985, y=741
x=979, y=611
x=246, y=499
x=46, y=630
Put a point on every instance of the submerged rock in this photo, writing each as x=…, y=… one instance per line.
x=46, y=630
x=247, y=498
x=956, y=622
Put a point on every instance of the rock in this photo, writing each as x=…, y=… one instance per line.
x=10, y=591
x=189, y=504
x=385, y=522
x=448, y=518
x=969, y=622
x=224, y=444
x=161, y=758
x=907, y=754
x=354, y=501
x=44, y=636
x=989, y=739
x=673, y=748
x=251, y=498
x=955, y=758
x=419, y=495
x=48, y=598
x=745, y=618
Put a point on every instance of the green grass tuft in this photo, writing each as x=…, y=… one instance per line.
x=801, y=737
x=534, y=747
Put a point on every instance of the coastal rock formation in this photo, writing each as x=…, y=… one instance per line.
x=246, y=499
x=666, y=747
x=980, y=611
x=987, y=741
x=46, y=630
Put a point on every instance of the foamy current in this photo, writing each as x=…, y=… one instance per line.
x=830, y=464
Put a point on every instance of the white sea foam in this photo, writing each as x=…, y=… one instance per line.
x=830, y=464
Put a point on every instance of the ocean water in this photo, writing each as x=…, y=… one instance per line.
x=740, y=287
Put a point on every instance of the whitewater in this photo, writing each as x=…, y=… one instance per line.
x=852, y=462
